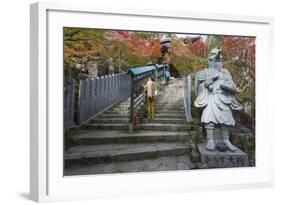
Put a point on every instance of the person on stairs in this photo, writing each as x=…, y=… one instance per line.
x=150, y=89
x=167, y=77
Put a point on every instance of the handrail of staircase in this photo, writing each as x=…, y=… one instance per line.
x=186, y=92
x=138, y=74
x=138, y=100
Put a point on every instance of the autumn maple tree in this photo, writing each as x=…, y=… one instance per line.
x=188, y=56
x=124, y=48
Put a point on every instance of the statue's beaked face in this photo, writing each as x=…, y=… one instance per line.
x=215, y=59
x=215, y=55
x=212, y=57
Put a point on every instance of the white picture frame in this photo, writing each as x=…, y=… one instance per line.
x=46, y=157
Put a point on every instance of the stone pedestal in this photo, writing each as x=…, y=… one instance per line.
x=217, y=159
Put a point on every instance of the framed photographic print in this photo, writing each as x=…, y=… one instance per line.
x=123, y=98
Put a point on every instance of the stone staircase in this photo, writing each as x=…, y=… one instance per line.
x=104, y=145
x=167, y=118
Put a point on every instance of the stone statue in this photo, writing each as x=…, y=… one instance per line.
x=216, y=93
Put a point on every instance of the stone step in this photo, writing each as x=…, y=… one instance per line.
x=169, y=104
x=123, y=117
x=166, y=120
x=116, y=115
x=159, y=108
x=107, y=126
x=116, y=112
x=156, y=104
x=166, y=163
x=110, y=120
x=113, y=115
x=170, y=108
x=164, y=127
x=169, y=115
x=114, y=137
x=92, y=154
x=157, y=111
x=176, y=112
x=148, y=126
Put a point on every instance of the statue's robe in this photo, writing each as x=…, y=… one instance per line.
x=218, y=102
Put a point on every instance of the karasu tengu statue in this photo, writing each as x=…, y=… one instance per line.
x=216, y=93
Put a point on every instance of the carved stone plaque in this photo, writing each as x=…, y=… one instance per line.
x=217, y=159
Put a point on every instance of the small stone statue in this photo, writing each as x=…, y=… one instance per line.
x=216, y=92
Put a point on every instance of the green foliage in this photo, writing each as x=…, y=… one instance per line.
x=239, y=63
x=134, y=60
x=248, y=145
x=149, y=35
x=119, y=49
x=214, y=42
x=187, y=57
